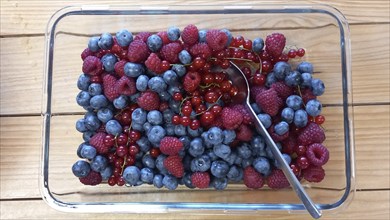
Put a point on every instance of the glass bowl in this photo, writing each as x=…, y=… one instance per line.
x=322, y=30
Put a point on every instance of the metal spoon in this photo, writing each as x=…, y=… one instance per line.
x=238, y=79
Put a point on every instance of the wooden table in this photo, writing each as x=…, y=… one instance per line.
x=22, y=39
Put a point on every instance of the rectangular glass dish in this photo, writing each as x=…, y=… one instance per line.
x=323, y=32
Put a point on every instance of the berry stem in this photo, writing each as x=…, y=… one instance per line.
x=209, y=85
x=200, y=113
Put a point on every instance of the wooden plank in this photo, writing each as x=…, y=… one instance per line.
x=370, y=72
x=20, y=148
x=25, y=17
x=377, y=209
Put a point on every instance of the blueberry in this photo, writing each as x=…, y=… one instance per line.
x=219, y=168
x=271, y=79
x=95, y=89
x=133, y=69
x=160, y=164
x=313, y=107
x=98, y=102
x=262, y=165
x=214, y=136
x=80, y=148
x=235, y=173
x=186, y=141
x=143, y=144
x=105, y=114
x=300, y=118
x=137, y=126
x=219, y=183
x=256, y=108
x=148, y=161
x=142, y=83
x=164, y=96
x=295, y=102
x=306, y=80
x=222, y=150
x=99, y=163
x=185, y=57
x=180, y=70
x=229, y=35
x=281, y=69
x=167, y=115
x=106, y=41
x=155, y=134
x=131, y=175
x=93, y=44
x=196, y=147
x=147, y=175
x=281, y=128
x=305, y=67
x=134, y=97
x=265, y=120
x=124, y=37
x=113, y=127
x=187, y=159
x=194, y=133
x=88, y=152
x=81, y=168
x=318, y=87
x=120, y=102
x=83, y=82
x=108, y=62
x=170, y=129
x=231, y=158
x=187, y=181
x=246, y=162
x=286, y=157
x=228, y=136
x=293, y=79
x=154, y=117
x=80, y=125
x=170, y=182
x=244, y=151
x=257, y=145
x=88, y=135
x=157, y=84
x=173, y=33
x=238, y=161
x=180, y=130
x=287, y=115
x=157, y=181
x=83, y=98
x=257, y=44
x=202, y=36
x=170, y=77
x=200, y=164
x=106, y=173
x=139, y=116
x=154, y=42
x=92, y=122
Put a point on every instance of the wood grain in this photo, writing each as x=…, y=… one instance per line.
x=378, y=210
x=370, y=80
x=26, y=17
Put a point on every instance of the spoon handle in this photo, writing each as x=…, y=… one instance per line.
x=296, y=185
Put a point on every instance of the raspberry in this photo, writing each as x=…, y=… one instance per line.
x=119, y=68
x=274, y=44
x=191, y=81
x=92, y=66
x=190, y=34
x=317, y=154
x=277, y=137
x=138, y=51
x=255, y=90
x=314, y=174
x=109, y=90
x=282, y=89
x=142, y=36
x=216, y=39
x=118, y=51
x=174, y=165
x=200, y=50
x=231, y=118
x=126, y=86
x=149, y=101
x=252, y=179
x=269, y=101
x=170, y=145
x=200, y=179
x=217, y=122
x=307, y=95
x=153, y=63
x=170, y=52
x=92, y=179
x=244, y=133
x=288, y=145
x=86, y=53
x=164, y=37
x=312, y=133
x=277, y=180
x=97, y=141
x=247, y=116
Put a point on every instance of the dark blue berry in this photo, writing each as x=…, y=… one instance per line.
x=154, y=117
x=124, y=37
x=147, y=175
x=83, y=98
x=229, y=35
x=106, y=41
x=160, y=164
x=98, y=102
x=105, y=114
x=180, y=70
x=133, y=69
x=318, y=87
x=154, y=42
x=88, y=152
x=156, y=133
x=185, y=57
x=257, y=44
x=144, y=144
x=83, y=82
x=157, y=181
x=131, y=175
x=306, y=80
x=281, y=128
x=202, y=36
x=244, y=151
x=200, y=164
x=300, y=118
x=81, y=168
x=187, y=181
x=262, y=165
x=281, y=69
x=170, y=182
x=80, y=125
x=120, y=102
x=293, y=79
x=286, y=157
x=93, y=44
x=219, y=183
x=219, y=168
x=180, y=130
x=113, y=127
x=99, y=163
x=235, y=173
x=305, y=67
x=287, y=115
x=95, y=89
x=271, y=79
x=142, y=83
x=139, y=116
x=157, y=84
x=92, y=122
x=170, y=77
x=295, y=102
x=265, y=120
x=106, y=173
x=196, y=147
x=88, y=135
x=173, y=33
x=170, y=129
x=221, y=150
x=108, y=62
x=313, y=107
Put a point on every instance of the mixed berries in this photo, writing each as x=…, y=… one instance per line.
x=157, y=112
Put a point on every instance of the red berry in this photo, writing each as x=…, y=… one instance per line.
x=312, y=133
x=248, y=44
x=300, y=150
x=130, y=160
x=301, y=52
x=121, y=181
x=137, y=51
x=292, y=53
x=97, y=141
x=198, y=63
x=216, y=39
x=216, y=110
x=259, y=79
x=200, y=180
x=96, y=79
x=109, y=140
x=269, y=101
x=186, y=110
x=135, y=135
x=185, y=121
x=154, y=63
x=225, y=85
x=231, y=118
x=195, y=124
x=207, y=78
x=210, y=97
x=170, y=52
x=121, y=151
x=174, y=165
x=320, y=119
x=196, y=101
x=155, y=152
x=109, y=89
x=119, y=67
x=252, y=179
x=314, y=174
x=191, y=81
x=206, y=118
x=190, y=34
x=201, y=50
x=149, y=101
x=93, y=178
x=302, y=162
x=133, y=150
x=92, y=66
x=112, y=181
x=170, y=145
x=240, y=40
x=317, y=154
x=126, y=86
x=296, y=170
x=143, y=36
x=163, y=106
x=225, y=64
x=219, y=77
x=177, y=96
x=176, y=120
x=244, y=133
x=122, y=139
x=165, y=65
x=282, y=89
x=277, y=180
x=274, y=44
